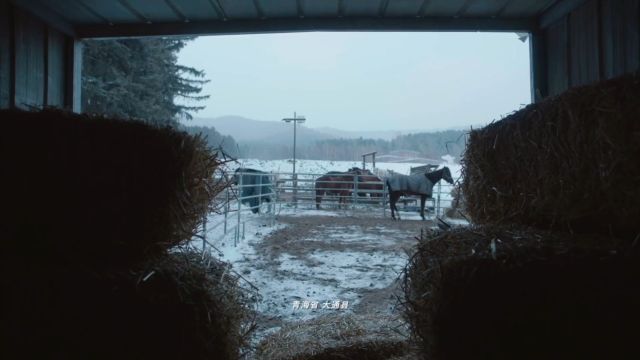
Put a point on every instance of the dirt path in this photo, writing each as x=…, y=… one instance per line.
x=328, y=258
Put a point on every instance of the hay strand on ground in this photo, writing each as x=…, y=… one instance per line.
x=336, y=337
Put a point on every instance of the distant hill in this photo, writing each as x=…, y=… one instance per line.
x=214, y=139
x=344, y=134
x=246, y=130
x=270, y=140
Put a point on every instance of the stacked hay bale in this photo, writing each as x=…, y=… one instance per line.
x=571, y=162
x=551, y=270
x=97, y=215
x=458, y=204
x=510, y=292
x=332, y=337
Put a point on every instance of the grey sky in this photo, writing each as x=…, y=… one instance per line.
x=375, y=81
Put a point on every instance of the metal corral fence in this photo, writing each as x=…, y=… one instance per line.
x=266, y=194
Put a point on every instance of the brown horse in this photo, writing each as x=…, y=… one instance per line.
x=334, y=183
x=368, y=183
x=342, y=183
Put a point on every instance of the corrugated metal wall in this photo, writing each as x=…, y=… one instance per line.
x=599, y=40
x=5, y=68
x=34, y=59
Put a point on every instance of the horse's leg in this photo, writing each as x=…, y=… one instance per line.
x=423, y=199
x=393, y=202
x=393, y=216
x=346, y=195
x=319, y=194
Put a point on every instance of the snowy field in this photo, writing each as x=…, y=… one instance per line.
x=306, y=261
x=323, y=166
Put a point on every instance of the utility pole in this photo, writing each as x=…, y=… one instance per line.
x=295, y=119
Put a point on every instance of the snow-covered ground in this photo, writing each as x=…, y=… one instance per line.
x=300, y=256
x=319, y=262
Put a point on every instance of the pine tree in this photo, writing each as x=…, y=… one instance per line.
x=139, y=78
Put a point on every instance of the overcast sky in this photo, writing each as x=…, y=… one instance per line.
x=374, y=81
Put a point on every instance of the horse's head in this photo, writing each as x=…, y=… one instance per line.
x=446, y=175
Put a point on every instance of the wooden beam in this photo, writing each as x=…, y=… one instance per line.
x=307, y=24
x=176, y=11
x=259, y=11
x=463, y=9
x=539, y=86
x=133, y=11
x=341, y=8
x=559, y=10
x=12, y=57
x=502, y=8
x=300, y=8
x=93, y=12
x=547, y=6
x=73, y=75
x=382, y=10
x=423, y=8
x=218, y=9
x=45, y=46
x=47, y=15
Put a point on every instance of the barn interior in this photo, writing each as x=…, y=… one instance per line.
x=583, y=52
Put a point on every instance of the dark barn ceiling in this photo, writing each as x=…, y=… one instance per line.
x=104, y=18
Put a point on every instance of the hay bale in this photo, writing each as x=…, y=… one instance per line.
x=336, y=337
x=176, y=307
x=458, y=207
x=569, y=162
x=99, y=191
x=517, y=293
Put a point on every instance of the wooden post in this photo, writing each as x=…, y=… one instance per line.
x=239, y=197
x=226, y=210
x=355, y=190
x=73, y=76
x=538, y=56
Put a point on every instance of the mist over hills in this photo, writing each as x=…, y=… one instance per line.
x=244, y=129
x=248, y=130
x=270, y=140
